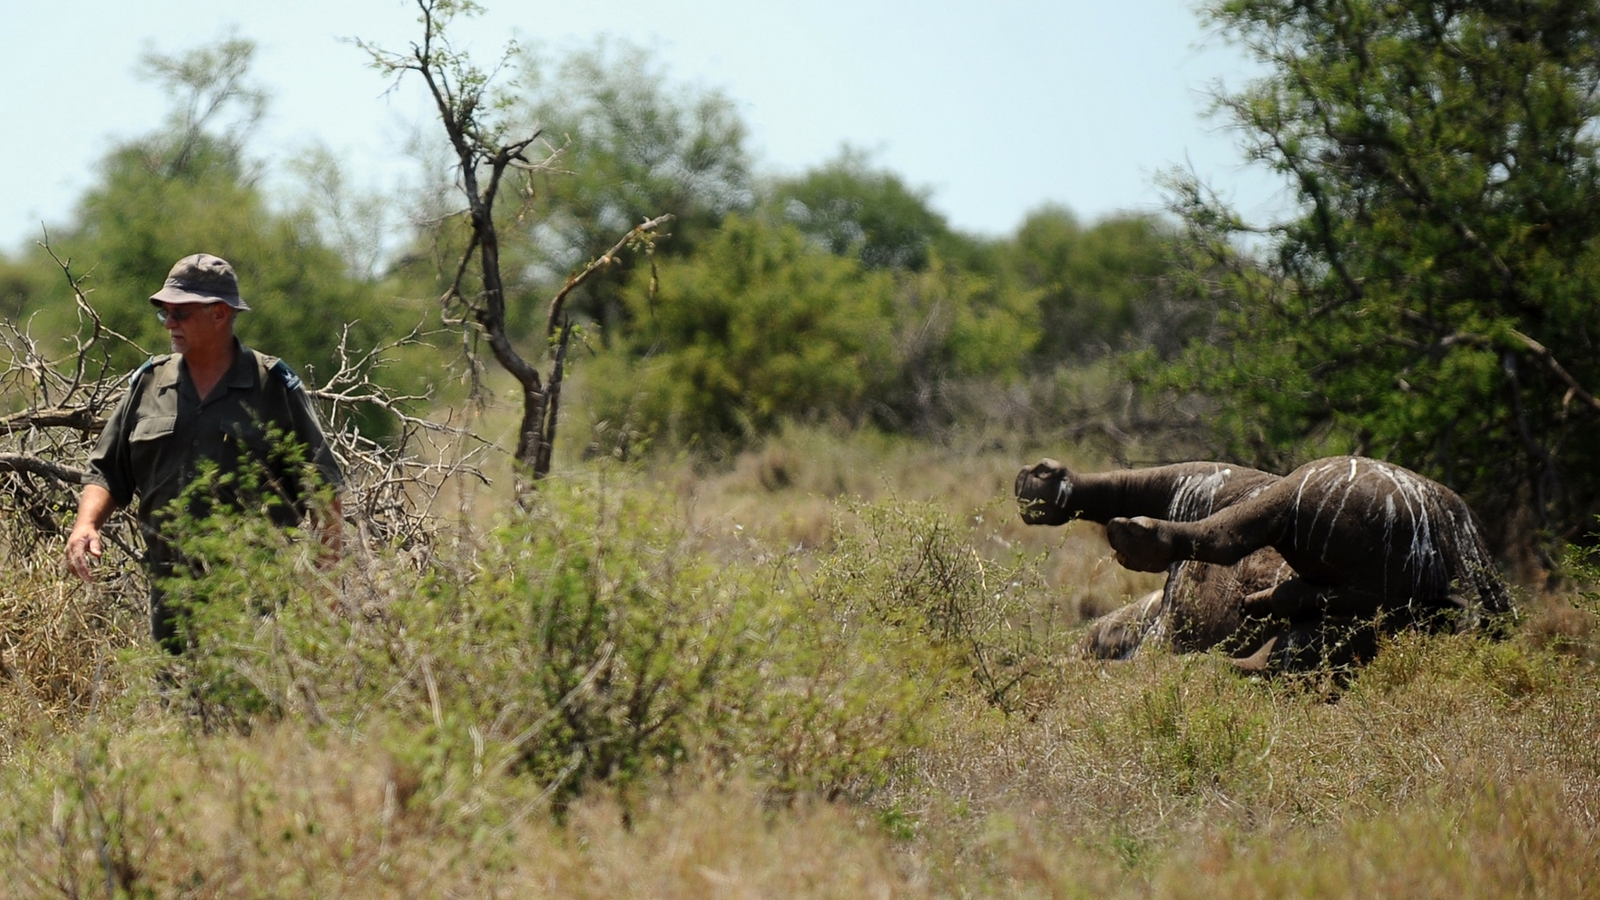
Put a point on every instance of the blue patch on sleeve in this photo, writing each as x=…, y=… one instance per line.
x=286, y=375
x=139, y=372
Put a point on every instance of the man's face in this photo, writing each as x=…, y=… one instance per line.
x=194, y=327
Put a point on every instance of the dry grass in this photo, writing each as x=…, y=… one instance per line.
x=1450, y=767
x=280, y=815
x=788, y=491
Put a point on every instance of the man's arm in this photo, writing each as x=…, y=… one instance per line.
x=95, y=506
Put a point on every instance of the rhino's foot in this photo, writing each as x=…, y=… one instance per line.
x=1044, y=492
x=1141, y=544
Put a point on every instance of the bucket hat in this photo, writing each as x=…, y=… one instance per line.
x=201, y=278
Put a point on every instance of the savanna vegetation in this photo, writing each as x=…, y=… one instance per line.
x=768, y=624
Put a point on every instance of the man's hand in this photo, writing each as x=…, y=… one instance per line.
x=83, y=544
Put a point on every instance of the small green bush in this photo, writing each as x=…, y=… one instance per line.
x=580, y=641
x=759, y=326
x=913, y=568
x=595, y=640
x=1192, y=733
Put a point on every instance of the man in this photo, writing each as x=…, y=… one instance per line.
x=212, y=400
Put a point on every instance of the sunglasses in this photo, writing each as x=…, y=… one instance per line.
x=180, y=314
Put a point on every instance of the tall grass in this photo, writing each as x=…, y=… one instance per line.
x=848, y=679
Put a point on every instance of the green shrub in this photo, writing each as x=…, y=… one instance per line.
x=579, y=641
x=594, y=640
x=1193, y=734
x=913, y=568
x=757, y=327
x=901, y=613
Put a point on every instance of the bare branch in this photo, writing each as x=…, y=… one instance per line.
x=16, y=462
x=641, y=233
x=83, y=419
x=460, y=94
x=1545, y=356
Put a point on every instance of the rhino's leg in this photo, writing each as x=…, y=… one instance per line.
x=1151, y=545
x=1297, y=599
x=1144, y=544
x=1050, y=494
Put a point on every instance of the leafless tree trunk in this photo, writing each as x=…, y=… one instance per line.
x=483, y=158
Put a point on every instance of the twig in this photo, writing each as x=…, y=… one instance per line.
x=639, y=233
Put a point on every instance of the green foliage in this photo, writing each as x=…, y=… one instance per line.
x=956, y=322
x=1583, y=566
x=760, y=326
x=235, y=543
x=756, y=327
x=1092, y=281
x=854, y=210
x=186, y=189
x=19, y=284
x=901, y=614
x=1192, y=736
x=590, y=642
x=99, y=819
x=632, y=634
x=1430, y=301
x=633, y=146
x=580, y=648
x=910, y=568
x=593, y=641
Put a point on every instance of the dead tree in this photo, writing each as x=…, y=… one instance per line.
x=483, y=157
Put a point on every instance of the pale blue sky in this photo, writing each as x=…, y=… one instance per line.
x=996, y=107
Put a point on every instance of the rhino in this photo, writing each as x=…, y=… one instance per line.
x=1278, y=572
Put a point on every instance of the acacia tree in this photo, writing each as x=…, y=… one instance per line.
x=1431, y=299
x=485, y=154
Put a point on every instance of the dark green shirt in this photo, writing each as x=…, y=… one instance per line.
x=160, y=433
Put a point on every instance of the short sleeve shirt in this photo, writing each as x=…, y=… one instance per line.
x=155, y=442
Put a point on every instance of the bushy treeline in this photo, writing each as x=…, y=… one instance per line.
x=838, y=293
x=1430, y=297
x=1427, y=298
